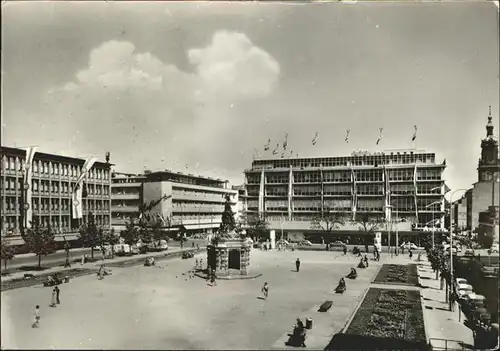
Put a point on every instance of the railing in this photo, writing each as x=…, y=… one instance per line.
x=456, y=344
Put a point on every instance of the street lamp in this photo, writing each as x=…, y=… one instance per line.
x=433, y=224
x=451, y=245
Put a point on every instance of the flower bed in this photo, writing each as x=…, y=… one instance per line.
x=397, y=274
x=390, y=314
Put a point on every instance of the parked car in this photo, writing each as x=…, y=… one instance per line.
x=337, y=245
x=470, y=253
x=122, y=249
x=464, y=290
x=306, y=243
x=409, y=246
x=159, y=245
x=282, y=242
x=453, y=250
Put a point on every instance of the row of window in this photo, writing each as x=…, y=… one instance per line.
x=197, y=207
x=346, y=176
x=54, y=168
x=365, y=160
x=55, y=205
x=54, y=187
x=200, y=194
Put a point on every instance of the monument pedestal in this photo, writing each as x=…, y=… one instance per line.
x=230, y=259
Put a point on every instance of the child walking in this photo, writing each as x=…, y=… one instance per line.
x=36, y=322
x=265, y=290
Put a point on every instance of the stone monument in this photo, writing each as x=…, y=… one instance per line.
x=229, y=257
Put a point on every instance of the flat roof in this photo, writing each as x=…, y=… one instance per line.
x=5, y=150
x=192, y=176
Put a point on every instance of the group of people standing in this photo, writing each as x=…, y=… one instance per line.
x=55, y=300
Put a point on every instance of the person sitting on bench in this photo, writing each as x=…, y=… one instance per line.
x=298, y=337
x=366, y=260
x=353, y=274
x=341, y=287
x=361, y=264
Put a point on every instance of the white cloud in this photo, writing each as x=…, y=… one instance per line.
x=135, y=102
x=232, y=65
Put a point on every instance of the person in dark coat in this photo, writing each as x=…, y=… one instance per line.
x=297, y=264
x=411, y=254
x=57, y=294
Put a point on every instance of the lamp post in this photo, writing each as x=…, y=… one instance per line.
x=451, y=246
x=433, y=224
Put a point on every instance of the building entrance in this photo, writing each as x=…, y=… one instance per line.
x=234, y=259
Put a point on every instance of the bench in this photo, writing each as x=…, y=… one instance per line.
x=325, y=306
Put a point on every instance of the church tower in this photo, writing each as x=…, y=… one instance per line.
x=489, y=164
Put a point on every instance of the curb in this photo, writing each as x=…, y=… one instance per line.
x=358, y=305
x=426, y=323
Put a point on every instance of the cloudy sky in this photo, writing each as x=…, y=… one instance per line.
x=165, y=85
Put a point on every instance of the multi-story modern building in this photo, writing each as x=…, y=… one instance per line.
x=51, y=189
x=196, y=203
x=126, y=196
x=405, y=185
x=242, y=203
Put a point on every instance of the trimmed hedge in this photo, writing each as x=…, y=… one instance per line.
x=393, y=314
x=397, y=274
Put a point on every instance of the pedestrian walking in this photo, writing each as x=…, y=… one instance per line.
x=297, y=264
x=293, y=247
x=212, y=279
x=265, y=290
x=182, y=243
x=57, y=294
x=411, y=254
x=197, y=247
x=192, y=244
x=345, y=250
x=36, y=315
x=53, y=301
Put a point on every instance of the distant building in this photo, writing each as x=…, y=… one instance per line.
x=51, y=189
x=489, y=223
x=486, y=191
x=242, y=202
x=192, y=202
x=126, y=196
x=405, y=187
x=462, y=212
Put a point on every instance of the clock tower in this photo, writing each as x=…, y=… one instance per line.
x=489, y=164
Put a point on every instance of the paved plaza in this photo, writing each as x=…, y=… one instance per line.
x=154, y=308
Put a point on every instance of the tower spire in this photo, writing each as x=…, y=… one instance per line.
x=489, y=126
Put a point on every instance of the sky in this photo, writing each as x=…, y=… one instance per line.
x=197, y=87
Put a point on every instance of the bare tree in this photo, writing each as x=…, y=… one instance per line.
x=368, y=225
x=328, y=221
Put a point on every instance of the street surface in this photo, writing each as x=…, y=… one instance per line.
x=154, y=308
x=60, y=256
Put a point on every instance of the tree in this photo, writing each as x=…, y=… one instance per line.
x=368, y=225
x=39, y=240
x=131, y=233
x=112, y=239
x=228, y=222
x=7, y=252
x=90, y=235
x=328, y=221
x=256, y=225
